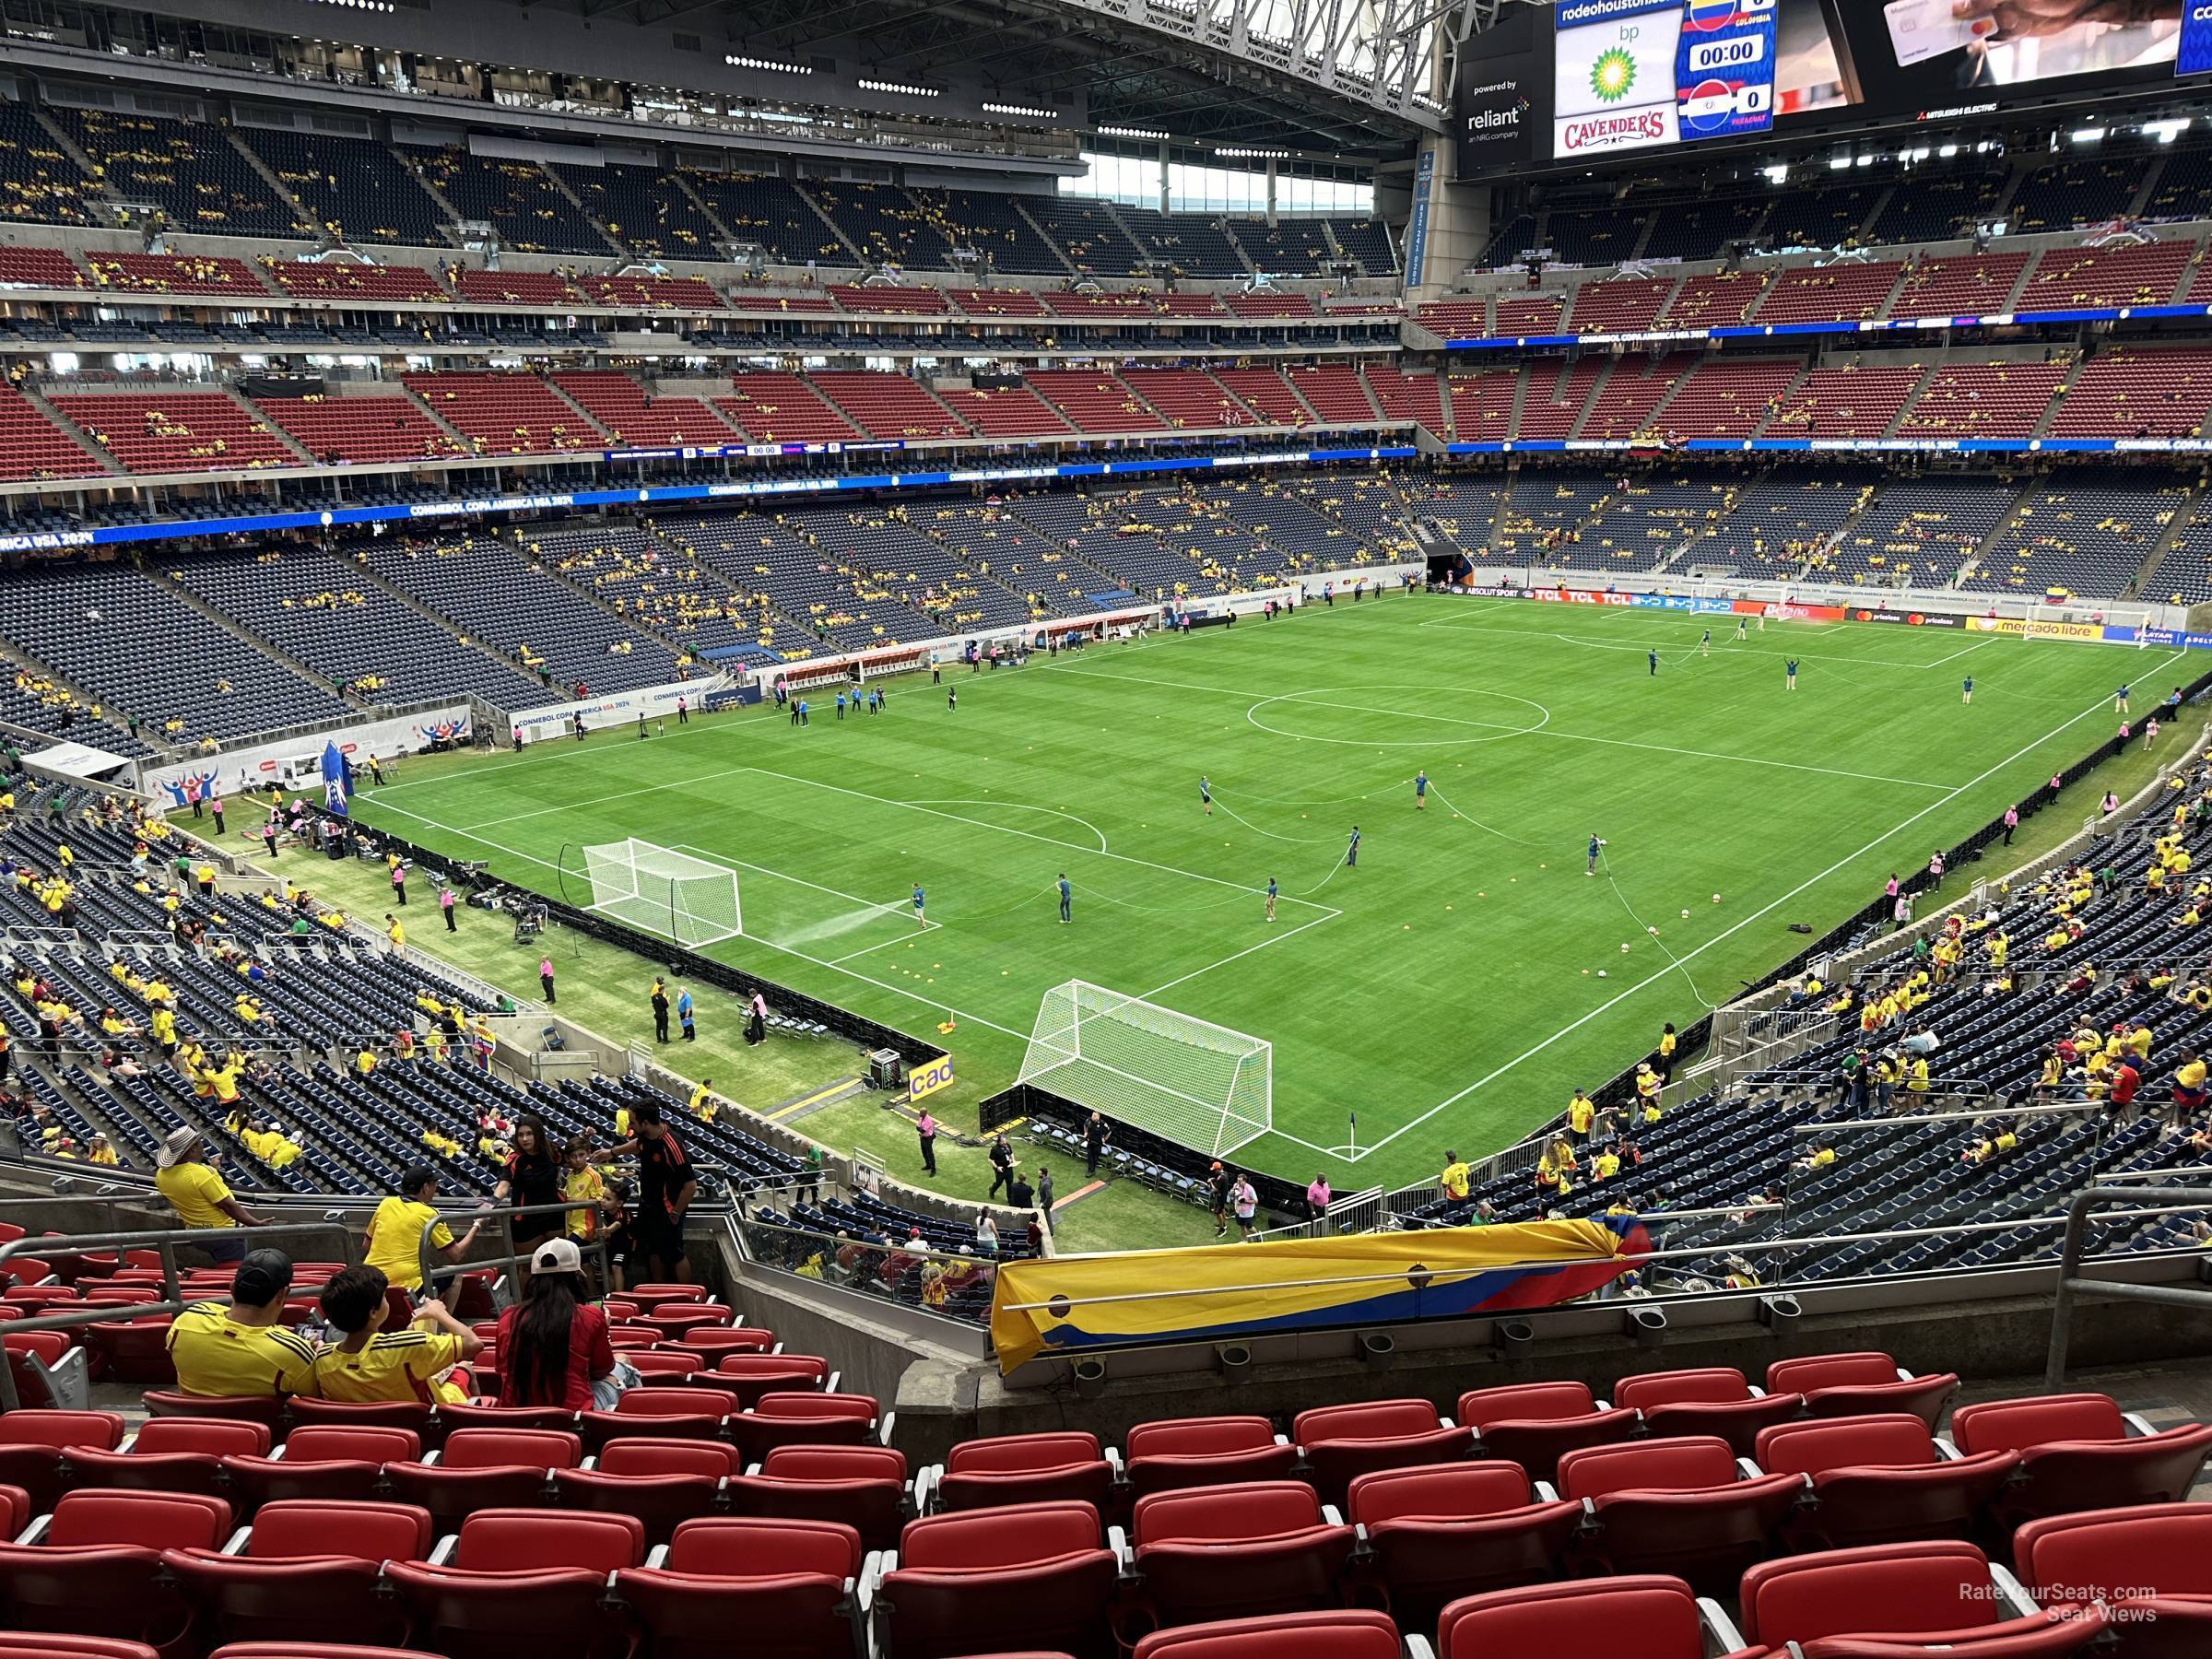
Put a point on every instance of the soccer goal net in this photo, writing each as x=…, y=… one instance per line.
x=692, y=900
x=1200, y=1084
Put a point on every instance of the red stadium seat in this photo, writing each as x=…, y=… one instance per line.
x=1534, y=1424
x=505, y=1469
x=862, y=1486
x=1714, y=1400
x=50, y=1374
x=2164, y=1549
x=659, y=1368
x=751, y=1376
x=132, y=1350
x=1338, y=1444
x=1929, y=1592
x=1025, y=1468
x=1881, y=1479
x=2076, y=1453
x=663, y=1482
x=53, y=1644
x=95, y=1568
x=1236, y=1552
x=1435, y=1535
x=380, y=1414
x=1858, y=1385
x=1677, y=1506
x=709, y=1342
x=1195, y=1452
x=675, y=1320
x=808, y=1418
x=661, y=1413
x=522, y=1584
x=251, y=1408
x=15, y=1511
x=2152, y=1563
x=1590, y=1618
x=985, y=1581
x=507, y=1416
x=1339, y=1634
x=786, y=1586
x=307, y=1565
x=648, y=1298
x=32, y=1444
x=307, y=1649
x=171, y=1454
x=330, y=1464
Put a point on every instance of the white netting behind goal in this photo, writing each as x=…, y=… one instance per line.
x=691, y=900
x=1201, y=1086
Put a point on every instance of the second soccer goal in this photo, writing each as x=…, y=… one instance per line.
x=1197, y=1083
x=691, y=900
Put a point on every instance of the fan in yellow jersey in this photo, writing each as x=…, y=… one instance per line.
x=395, y=1237
x=241, y=1351
x=371, y=1363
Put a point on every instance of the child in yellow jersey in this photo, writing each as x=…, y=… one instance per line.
x=370, y=1363
x=581, y=1181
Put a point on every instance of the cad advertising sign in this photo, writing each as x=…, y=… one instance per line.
x=1635, y=73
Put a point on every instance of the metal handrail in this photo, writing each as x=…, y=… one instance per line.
x=2072, y=1285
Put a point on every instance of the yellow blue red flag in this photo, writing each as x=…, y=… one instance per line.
x=1069, y=1304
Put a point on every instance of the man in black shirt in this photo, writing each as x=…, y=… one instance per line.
x=1094, y=1142
x=1019, y=1193
x=660, y=1011
x=665, y=1188
x=1002, y=1166
x=1217, y=1197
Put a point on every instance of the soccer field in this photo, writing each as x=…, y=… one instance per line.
x=1449, y=990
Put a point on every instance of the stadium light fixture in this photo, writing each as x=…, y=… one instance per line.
x=1128, y=131
x=367, y=6
x=1007, y=109
x=899, y=89
x=1240, y=153
x=2168, y=129
x=772, y=65
x=1947, y=150
x=2088, y=135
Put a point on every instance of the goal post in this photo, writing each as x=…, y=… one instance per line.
x=692, y=901
x=1197, y=1083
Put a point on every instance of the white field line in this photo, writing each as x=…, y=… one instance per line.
x=1673, y=967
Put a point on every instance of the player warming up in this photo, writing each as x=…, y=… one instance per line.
x=1596, y=846
x=1741, y=623
x=920, y=921
x=1966, y=689
x=1789, y=673
x=1067, y=898
x=1420, y=791
x=1705, y=644
x=1205, y=795
x=1270, y=898
x=1351, y=853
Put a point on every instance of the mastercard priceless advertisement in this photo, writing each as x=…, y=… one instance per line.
x=1635, y=73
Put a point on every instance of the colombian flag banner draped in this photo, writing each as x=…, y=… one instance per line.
x=1071, y=1303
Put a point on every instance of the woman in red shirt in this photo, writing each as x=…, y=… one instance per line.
x=553, y=1344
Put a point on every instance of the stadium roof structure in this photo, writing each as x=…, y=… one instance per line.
x=1309, y=74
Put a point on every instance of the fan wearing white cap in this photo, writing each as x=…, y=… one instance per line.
x=553, y=1344
x=199, y=1195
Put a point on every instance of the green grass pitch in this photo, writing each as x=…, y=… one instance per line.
x=1450, y=988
